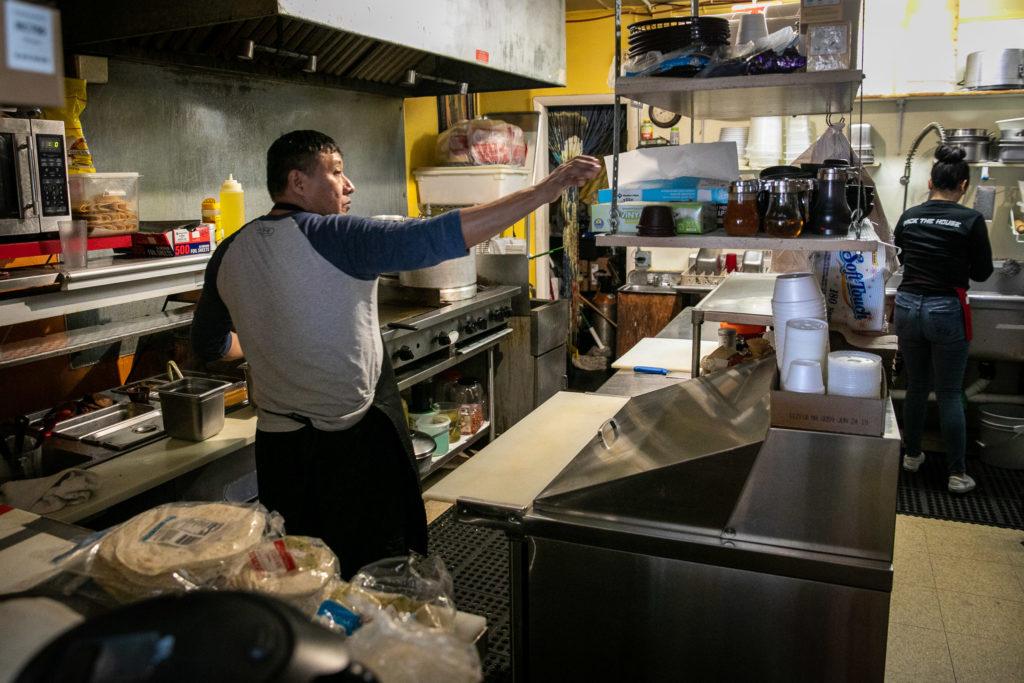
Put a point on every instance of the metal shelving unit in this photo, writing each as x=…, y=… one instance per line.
x=740, y=97
x=109, y=283
x=818, y=92
x=71, y=341
x=439, y=461
x=717, y=239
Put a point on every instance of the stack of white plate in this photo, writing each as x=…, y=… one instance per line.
x=737, y=134
x=854, y=373
x=764, y=146
x=860, y=140
x=799, y=136
x=797, y=295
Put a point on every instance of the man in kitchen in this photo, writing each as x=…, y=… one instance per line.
x=297, y=290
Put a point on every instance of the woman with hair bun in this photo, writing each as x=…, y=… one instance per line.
x=942, y=246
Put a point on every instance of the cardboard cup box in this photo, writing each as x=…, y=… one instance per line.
x=840, y=414
x=179, y=241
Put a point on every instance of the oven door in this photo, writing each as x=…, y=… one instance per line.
x=17, y=204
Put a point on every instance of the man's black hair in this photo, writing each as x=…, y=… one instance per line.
x=297, y=150
x=949, y=169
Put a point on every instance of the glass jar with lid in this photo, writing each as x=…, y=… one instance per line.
x=831, y=214
x=785, y=215
x=742, y=217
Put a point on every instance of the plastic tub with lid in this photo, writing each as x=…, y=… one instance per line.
x=108, y=202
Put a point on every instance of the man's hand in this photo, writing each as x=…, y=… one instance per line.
x=486, y=220
x=573, y=173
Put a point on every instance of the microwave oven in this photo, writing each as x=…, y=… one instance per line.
x=33, y=178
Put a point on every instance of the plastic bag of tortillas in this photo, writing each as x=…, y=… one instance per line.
x=173, y=548
x=397, y=652
x=295, y=569
x=416, y=590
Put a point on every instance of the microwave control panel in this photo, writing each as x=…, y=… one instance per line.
x=53, y=175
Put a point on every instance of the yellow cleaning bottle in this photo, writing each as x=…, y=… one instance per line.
x=232, y=205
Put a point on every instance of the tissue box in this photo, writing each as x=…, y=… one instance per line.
x=817, y=413
x=691, y=217
x=181, y=240
x=675, y=190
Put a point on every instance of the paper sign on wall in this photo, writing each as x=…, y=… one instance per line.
x=29, y=37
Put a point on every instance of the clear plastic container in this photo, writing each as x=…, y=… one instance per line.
x=108, y=202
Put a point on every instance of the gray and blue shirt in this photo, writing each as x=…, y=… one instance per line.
x=300, y=290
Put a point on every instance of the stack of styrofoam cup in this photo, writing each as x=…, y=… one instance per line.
x=738, y=135
x=854, y=373
x=797, y=295
x=753, y=27
x=799, y=136
x=764, y=145
x=806, y=340
x=805, y=377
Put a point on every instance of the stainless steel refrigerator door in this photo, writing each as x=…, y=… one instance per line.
x=599, y=614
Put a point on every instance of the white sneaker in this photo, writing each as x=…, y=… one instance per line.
x=912, y=463
x=961, y=483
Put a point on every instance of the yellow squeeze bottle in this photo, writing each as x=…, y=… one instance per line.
x=211, y=215
x=232, y=205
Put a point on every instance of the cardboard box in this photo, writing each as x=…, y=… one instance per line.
x=840, y=414
x=31, y=58
x=183, y=240
x=691, y=217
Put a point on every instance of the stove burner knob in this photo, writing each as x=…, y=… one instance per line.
x=404, y=354
x=506, y=311
x=481, y=323
x=496, y=315
x=443, y=339
x=470, y=327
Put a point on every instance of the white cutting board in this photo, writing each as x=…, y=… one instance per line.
x=671, y=354
x=521, y=462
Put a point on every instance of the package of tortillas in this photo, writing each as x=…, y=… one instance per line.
x=296, y=569
x=174, y=548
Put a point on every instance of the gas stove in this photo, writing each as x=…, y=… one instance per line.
x=419, y=331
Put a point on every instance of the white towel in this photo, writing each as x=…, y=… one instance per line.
x=49, y=494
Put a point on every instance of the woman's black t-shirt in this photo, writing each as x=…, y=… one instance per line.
x=943, y=245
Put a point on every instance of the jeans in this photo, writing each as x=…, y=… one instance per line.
x=934, y=347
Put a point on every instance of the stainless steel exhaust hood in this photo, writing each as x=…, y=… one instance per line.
x=367, y=45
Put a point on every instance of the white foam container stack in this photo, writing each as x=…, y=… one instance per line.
x=468, y=185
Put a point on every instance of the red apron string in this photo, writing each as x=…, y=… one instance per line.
x=966, y=307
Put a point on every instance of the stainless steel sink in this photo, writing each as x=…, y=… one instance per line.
x=997, y=307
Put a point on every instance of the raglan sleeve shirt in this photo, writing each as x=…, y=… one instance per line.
x=364, y=248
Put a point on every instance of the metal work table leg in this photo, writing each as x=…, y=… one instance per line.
x=697, y=318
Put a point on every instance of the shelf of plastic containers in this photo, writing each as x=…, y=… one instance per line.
x=439, y=461
x=740, y=97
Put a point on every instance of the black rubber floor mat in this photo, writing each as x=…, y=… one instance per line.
x=998, y=499
x=478, y=561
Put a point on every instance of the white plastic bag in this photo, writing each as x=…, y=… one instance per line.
x=482, y=142
x=854, y=286
x=398, y=652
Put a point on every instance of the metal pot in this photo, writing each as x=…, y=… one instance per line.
x=975, y=148
x=994, y=70
x=423, y=445
x=455, y=280
x=967, y=133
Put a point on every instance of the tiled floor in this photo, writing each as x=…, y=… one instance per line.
x=957, y=609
